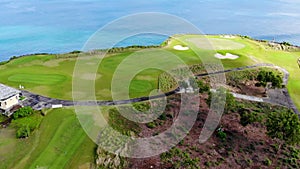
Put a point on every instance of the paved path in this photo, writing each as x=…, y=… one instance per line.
x=246, y=97
x=39, y=102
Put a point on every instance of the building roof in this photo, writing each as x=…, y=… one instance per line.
x=7, y=92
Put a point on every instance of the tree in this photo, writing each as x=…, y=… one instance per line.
x=286, y=43
x=284, y=126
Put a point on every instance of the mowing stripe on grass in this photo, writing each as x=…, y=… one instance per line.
x=41, y=79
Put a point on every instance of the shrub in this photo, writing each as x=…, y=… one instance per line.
x=294, y=152
x=286, y=43
x=151, y=125
x=23, y=112
x=26, y=125
x=221, y=134
x=163, y=117
x=202, y=87
x=142, y=106
x=267, y=162
x=285, y=126
x=219, y=98
x=231, y=104
x=250, y=117
x=185, y=160
x=208, y=164
x=268, y=76
x=23, y=132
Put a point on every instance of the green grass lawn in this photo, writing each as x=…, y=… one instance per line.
x=40, y=79
x=45, y=74
x=50, y=76
x=60, y=142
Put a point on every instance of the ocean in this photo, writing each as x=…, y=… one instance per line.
x=55, y=26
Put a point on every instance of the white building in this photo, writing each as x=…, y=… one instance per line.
x=9, y=97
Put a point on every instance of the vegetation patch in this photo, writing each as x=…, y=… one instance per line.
x=23, y=112
x=269, y=76
x=25, y=121
x=25, y=126
x=223, y=96
x=171, y=80
x=285, y=126
x=249, y=117
x=121, y=124
x=167, y=82
x=180, y=159
x=262, y=75
x=3, y=118
x=142, y=106
x=221, y=134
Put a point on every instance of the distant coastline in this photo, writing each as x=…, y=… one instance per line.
x=150, y=46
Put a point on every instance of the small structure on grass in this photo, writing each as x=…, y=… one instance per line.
x=9, y=99
x=298, y=62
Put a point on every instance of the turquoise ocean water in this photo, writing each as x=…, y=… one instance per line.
x=55, y=26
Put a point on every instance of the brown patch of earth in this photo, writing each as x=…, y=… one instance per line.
x=244, y=147
x=249, y=88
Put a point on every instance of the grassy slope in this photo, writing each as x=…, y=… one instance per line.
x=39, y=67
x=257, y=52
x=47, y=74
x=59, y=143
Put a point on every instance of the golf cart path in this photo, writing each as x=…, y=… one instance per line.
x=39, y=102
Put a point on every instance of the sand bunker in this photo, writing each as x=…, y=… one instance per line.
x=227, y=56
x=179, y=47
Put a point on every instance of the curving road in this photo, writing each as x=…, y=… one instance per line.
x=39, y=102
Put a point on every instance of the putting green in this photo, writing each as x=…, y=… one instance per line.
x=215, y=44
x=42, y=79
x=141, y=86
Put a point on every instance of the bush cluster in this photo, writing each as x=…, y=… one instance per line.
x=23, y=112
x=268, y=76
